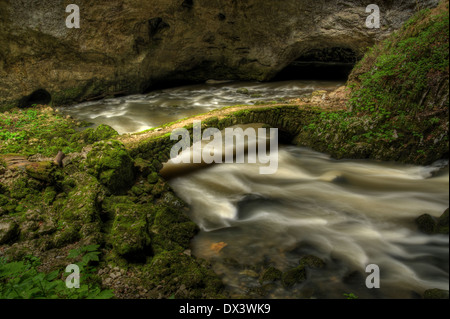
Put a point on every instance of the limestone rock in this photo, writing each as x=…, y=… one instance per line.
x=111, y=163
x=126, y=47
x=8, y=230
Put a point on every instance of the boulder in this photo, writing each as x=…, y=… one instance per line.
x=431, y=225
x=9, y=229
x=42, y=171
x=111, y=163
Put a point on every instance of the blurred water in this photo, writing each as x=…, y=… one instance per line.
x=136, y=113
x=349, y=213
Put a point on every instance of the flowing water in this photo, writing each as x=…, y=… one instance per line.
x=136, y=113
x=349, y=213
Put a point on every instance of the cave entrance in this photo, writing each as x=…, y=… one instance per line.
x=335, y=63
x=40, y=96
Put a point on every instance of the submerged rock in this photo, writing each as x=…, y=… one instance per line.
x=293, y=276
x=312, y=262
x=270, y=274
x=431, y=225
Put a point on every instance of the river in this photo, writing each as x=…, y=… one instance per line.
x=349, y=213
x=137, y=113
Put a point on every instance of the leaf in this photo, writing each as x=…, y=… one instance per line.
x=105, y=294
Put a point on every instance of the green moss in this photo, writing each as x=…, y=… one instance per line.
x=90, y=135
x=312, y=262
x=82, y=203
x=129, y=234
x=43, y=171
x=409, y=71
x=178, y=270
x=270, y=274
x=153, y=178
x=111, y=163
x=293, y=276
x=172, y=229
x=22, y=187
x=436, y=294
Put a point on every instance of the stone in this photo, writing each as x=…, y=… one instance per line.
x=431, y=225
x=42, y=171
x=436, y=294
x=8, y=231
x=260, y=37
x=293, y=276
x=312, y=262
x=426, y=224
x=111, y=163
x=442, y=223
x=270, y=274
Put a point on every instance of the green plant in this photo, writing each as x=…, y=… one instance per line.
x=350, y=296
x=22, y=280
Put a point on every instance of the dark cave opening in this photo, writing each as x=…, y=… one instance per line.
x=40, y=96
x=334, y=63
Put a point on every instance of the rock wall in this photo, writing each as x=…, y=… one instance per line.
x=130, y=46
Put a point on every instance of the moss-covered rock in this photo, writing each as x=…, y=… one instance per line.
x=270, y=274
x=293, y=276
x=183, y=276
x=129, y=234
x=442, y=223
x=312, y=261
x=43, y=171
x=143, y=167
x=153, y=178
x=426, y=223
x=430, y=225
x=89, y=136
x=436, y=294
x=172, y=229
x=111, y=163
x=82, y=203
x=6, y=205
x=68, y=235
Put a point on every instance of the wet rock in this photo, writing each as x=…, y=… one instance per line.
x=430, y=225
x=243, y=91
x=270, y=274
x=426, y=224
x=312, y=262
x=293, y=276
x=442, y=223
x=436, y=294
